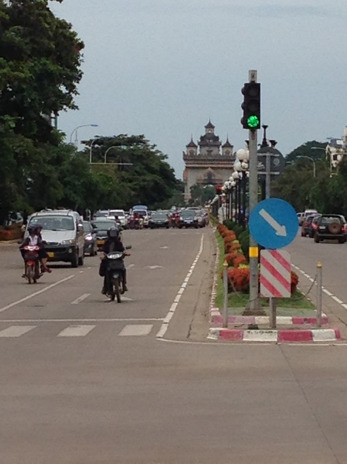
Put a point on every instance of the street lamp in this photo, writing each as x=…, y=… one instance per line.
x=96, y=138
x=313, y=161
x=76, y=129
x=241, y=167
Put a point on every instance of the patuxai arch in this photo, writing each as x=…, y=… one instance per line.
x=208, y=162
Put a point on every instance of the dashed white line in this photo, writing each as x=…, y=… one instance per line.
x=172, y=309
x=80, y=298
x=15, y=303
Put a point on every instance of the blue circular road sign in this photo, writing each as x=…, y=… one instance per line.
x=273, y=223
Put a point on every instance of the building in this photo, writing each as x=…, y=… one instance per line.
x=208, y=162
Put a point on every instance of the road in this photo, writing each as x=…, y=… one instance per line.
x=88, y=381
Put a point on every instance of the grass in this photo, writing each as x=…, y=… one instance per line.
x=297, y=304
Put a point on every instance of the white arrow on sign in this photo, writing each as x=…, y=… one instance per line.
x=280, y=230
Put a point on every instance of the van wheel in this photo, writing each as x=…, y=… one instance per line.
x=74, y=260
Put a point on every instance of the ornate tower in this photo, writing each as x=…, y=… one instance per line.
x=205, y=164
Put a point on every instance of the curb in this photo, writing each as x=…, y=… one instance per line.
x=217, y=319
x=277, y=336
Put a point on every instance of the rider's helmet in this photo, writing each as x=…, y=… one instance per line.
x=38, y=228
x=31, y=229
x=113, y=232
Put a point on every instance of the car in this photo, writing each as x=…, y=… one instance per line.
x=188, y=218
x=201, y=217
x=301, y=217
x=306, y=228
x=308, y=212
x=313, y=226
x=158, y=219
x=63, y=234
x=90, y=241
x=330, y=227
x=101, y=226
x=118, y=214
x=101, y=213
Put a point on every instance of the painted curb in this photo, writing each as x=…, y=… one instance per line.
x=277, y=336
x=217, y=320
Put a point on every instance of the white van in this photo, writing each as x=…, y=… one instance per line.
x=63, y=234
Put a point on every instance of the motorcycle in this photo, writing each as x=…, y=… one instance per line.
x=32, y=263
x=115, y=274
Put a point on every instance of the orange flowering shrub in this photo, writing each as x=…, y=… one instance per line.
x=238, y=279
x=235, y=259
x=238, y=271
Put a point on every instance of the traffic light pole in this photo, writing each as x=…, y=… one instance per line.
x=253, y=306
x=251, y=119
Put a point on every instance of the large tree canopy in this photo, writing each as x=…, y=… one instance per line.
x=40, y=58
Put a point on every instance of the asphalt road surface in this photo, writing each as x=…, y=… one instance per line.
x=86, y=381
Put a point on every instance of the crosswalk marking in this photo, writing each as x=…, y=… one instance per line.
x=16, y=330
x=76, y=331
x=136, y=329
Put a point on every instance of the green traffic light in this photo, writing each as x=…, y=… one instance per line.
x=253, y=122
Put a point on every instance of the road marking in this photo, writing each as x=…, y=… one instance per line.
x=16, y=331
x=80, y=298
x=172, y=309
x=76, y=331
x=136, y=330
x=15, y=303
x=128, y=319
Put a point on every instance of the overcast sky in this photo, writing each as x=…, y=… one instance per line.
x=164, y=68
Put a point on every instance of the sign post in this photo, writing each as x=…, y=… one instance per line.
x=274, y=224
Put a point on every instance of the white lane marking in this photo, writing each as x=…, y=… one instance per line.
x=128, y=319
x=76, y=331
x=172, y=309
x=136, y=330
x=16, y=331
x=80, y=298
x=324, y=290
x=154, y=267
x=15, y=303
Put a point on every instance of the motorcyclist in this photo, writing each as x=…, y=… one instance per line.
x=34, y=238
x=112, y=243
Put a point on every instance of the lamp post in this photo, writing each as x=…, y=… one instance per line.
x=96, y=138
x=241, y=166
x=313, y=161
x=109, y=148
x=76, y=129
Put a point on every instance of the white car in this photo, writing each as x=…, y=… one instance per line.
x=120, y=214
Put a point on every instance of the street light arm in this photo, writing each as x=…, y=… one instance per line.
x=313, y=161
x=78, y=127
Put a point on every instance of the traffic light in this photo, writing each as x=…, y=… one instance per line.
x=251, y=106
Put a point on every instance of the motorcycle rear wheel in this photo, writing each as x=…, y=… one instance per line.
x=117, y=290
x=31, y=274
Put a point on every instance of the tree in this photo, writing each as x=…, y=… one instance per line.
x=40, y=58
x=135, y=171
